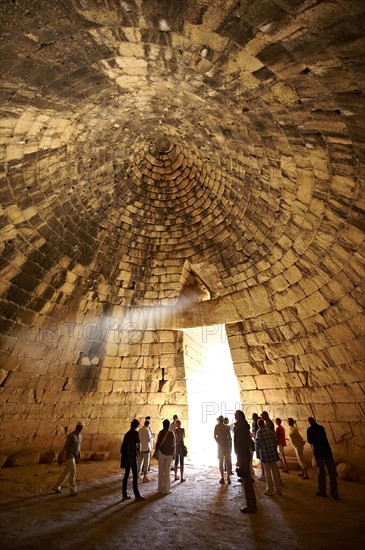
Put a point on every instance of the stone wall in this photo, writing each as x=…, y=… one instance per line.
x=301, y=375
x=194, y=363
x=93, y=372
x=189, y=163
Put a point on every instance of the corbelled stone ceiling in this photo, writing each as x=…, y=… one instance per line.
x=202, y=159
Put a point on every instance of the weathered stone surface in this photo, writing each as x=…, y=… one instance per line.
x=24, y=458
x=86, y=455
x=192, y=170
x=3, y=459
x=347, y=472
x=48, y=457
x=100, y=455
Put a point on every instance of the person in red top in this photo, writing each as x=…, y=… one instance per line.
x=280, y=434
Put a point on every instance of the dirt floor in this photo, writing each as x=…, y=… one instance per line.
x=197, y=514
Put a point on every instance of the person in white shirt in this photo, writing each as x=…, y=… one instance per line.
x=152, y=435
x=173, y=425
x=145, y=453
x=72, y=451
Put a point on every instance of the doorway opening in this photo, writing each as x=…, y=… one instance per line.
x=212, y=388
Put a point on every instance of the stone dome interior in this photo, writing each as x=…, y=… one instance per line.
x=202, y=160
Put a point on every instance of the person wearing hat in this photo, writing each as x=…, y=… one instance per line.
x=72, y=451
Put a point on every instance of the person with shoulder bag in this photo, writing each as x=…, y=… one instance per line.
x=164, y=452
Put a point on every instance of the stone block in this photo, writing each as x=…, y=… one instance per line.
x=48, y=457
x=357, y=348
x=324, y=411
x=315, y=395
x=258, y=338
x=112, y=349
x=358, y=429
x=277, y=366
x=3, y=374
x=260, y=297
x=313, y=361
x=100, y=455
x=111, y=362
x=245, y=369
x=114, y=398
x=111, y=442
x=120, y=374
x=269, y=320
x=323, y=377
x=342, y=432
x=292, y=379
x=105, y=386
x=167, y=336
x=252, y=397
x=257, y=353
x=36, y=368
x=278, y=283
x=136, y=398
x=347, y=472
x=64, y=396
x=86, y=455
x=247, y=383
x=24, y=458
x=240, y=355
x=168, y=360
x=157, y=398
x=126, y=386
x=279, y=395
x=350, y=393
x=351, y=372
x=151, y=386
x=30, y=350
x=266, y=381
x=177, y=385
x=18, y=380
x=357, y=324
x=288, y=297
x=339, y=333
x=342, y=185
x=3, y=459
x=315, y=303
x=315, y=342
x=348, y=412
x=171, y=373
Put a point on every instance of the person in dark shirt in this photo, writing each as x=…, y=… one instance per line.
x=242, y=447
x=129, y=451
x=317, y=437
x=268, y=422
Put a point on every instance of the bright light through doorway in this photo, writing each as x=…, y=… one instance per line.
x=212, y=388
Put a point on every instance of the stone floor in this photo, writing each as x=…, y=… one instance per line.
x=198, y=514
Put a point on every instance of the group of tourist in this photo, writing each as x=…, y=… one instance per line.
x=136, y=455
x=261, y=437
x=269, y=445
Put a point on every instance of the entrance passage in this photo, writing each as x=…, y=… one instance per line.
x=212, y=388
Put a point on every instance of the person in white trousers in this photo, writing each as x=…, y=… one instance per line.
x=144, y=457
x=165, y=450
x=71, y=449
